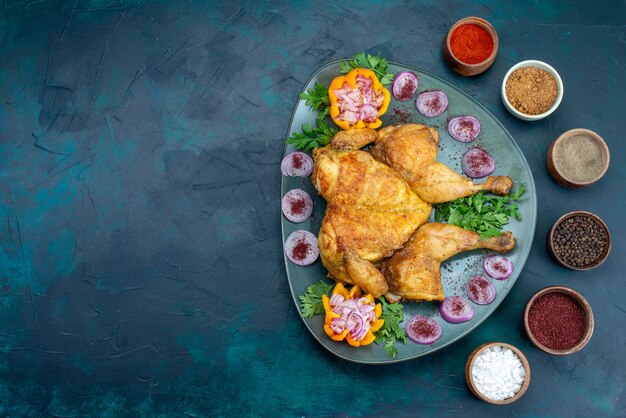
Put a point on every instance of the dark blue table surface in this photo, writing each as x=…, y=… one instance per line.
x=141, y=266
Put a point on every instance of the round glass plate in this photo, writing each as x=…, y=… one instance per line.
x=454, y=272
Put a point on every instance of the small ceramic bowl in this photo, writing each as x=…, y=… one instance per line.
x=556, y=152
x=589, y=321
x=461, y=67
x=545, y=67
x=564, y=263
x=470, y=379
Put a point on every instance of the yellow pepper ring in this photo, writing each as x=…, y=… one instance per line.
x=350, y=78
x=355, y=292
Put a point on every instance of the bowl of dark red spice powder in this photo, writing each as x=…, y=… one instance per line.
x=532, y=90
x=578, y=158
x=558, y=320
x=579, y=240
x=471, y=46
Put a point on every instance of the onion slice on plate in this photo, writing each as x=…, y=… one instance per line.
x=480, y=290
x=498, y=267
x=423, y=330
x=404, y=85
x=301, y=247
x=432, y=103
x=297, y=205
x=477, y=163
x=296, y=164
x=464, y=128
x=455, y=309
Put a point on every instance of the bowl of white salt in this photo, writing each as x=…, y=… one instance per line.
x=497, y=373
x=578, y=158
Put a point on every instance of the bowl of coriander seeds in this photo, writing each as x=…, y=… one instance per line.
x=532, y=90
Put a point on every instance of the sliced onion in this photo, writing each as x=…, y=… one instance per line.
x=480, y=290
x=455, y=309
x=404, y=85
x=301, y=247
x=498, y=267
x=423, y=330
x=432, y=103
x=477, y=163
x=464, y=128
x=297, y=205
x=355, y=325
x=296, y=164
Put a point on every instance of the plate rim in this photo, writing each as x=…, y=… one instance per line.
x=523, y=257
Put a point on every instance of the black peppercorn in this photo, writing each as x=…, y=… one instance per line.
x=579, y=241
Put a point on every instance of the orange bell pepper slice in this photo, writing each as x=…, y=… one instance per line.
x=350, y=79
x=353, y=293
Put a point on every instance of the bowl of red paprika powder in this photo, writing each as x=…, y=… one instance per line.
x=558, y=320
x=471, y=46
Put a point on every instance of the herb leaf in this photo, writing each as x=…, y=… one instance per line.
x=311, y=301
x=391, y=330
x=316, y=96
x=373, y=62
x=482, y=213
x=312, y=137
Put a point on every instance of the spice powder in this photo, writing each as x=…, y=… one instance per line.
x=531, y=90
x=579, y=158
x=557, y=321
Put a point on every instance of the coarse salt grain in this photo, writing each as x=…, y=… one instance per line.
x=498, y=373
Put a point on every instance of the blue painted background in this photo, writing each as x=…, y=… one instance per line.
x=141, y=268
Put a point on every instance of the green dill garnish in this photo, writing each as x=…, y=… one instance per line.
x=483, y=213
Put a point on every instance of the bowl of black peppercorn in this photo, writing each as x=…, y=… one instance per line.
x=579, y=240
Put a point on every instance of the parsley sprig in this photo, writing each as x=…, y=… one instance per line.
x=312, y=137
x=317, y=99
x=373, y=62
x=391, y=331
x=482, y=213
x=311, y=301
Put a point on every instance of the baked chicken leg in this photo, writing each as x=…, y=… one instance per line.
x=414, y=271
x=412, y=151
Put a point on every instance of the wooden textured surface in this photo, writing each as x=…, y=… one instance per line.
x=141, y=266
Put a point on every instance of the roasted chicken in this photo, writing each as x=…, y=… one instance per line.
x=413, y=272
x=377, y=199
x=411, y=150
x=371, y=211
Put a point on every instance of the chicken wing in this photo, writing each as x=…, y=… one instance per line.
x=414, y=271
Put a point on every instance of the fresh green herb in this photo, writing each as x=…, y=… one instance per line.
x=311, y=137
x=482, y=213
x=316, y=97
x=311, y=301
x=391, y=330
x=375, y=63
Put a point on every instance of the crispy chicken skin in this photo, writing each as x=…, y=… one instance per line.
x=412, y=151
x=371, y=211
x=414, y=271
x=377, y=200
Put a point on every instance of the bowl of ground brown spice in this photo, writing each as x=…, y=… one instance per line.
x=532, y=90
x=558, y=320
x=578, y=158
x=579, y=240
